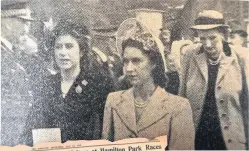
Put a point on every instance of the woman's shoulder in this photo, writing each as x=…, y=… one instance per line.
x=116, y=94
x=191, y=50
x=179, y=103
x=241, y=52
x=115, y=98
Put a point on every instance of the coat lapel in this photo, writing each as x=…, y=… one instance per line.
x=202, y=64
x=126, y=110
x=154, y=111
x=225, y=63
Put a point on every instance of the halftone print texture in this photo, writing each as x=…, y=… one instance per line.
x=64, y=76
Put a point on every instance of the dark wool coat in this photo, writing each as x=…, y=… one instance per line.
x=79, y=115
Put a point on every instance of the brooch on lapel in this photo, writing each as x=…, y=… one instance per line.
x=84, y=82
x=78, y=89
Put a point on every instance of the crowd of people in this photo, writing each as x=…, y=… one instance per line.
x=193, y=91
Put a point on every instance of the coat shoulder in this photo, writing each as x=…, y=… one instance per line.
x=241, y=52
x=179, y=103
x=114, y=97
x=192, y=50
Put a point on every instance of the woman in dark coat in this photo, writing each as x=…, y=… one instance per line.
x=73, y=99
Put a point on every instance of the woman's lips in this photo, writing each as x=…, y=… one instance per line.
x=132, y=77
x=64, y=61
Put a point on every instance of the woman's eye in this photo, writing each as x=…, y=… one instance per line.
x=136, y=60
x=212, y=38
x=125, y=61
x=69, y=46
x=202, y=38
x=58, y=46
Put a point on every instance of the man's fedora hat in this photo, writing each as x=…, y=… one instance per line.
x=209, y=19
x=15, y=8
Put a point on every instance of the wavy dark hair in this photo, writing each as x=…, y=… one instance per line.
x=158, y=73
x=80, y=33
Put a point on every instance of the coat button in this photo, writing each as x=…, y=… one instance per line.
x=198, y=108
x=219, y=87
x=226, y=127
x=229, y=141
x=132, y=136
x=223, y=115
x=221, y=101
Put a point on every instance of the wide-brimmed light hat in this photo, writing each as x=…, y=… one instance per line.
x=209, y=19
x=133, y=29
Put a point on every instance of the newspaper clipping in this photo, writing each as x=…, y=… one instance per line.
x=124, y=75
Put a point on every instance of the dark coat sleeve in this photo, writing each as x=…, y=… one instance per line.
x=103, y=86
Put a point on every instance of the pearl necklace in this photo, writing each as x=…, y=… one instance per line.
x=141, y=105
x=212, y=62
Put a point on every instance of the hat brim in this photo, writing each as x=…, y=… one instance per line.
x=26, y=18
x=209, y=26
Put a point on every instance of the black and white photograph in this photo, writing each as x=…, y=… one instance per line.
x=118, y=69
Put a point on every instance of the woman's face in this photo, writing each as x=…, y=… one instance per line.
x=67, y=52
x=137, y=66
x=212, y=41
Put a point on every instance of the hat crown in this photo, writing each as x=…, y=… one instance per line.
x=209, y=19
x=137, y=32
x=210, y=14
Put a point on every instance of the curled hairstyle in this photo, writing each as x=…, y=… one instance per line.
x=79, y=32
x=158, y=73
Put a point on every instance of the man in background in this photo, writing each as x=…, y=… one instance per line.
x=238, y=37
x=172, y=73
x=16, y=94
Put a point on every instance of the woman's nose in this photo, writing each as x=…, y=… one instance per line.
x=130, y=67
x=27, y=27
x=208, y=43
x=229, y=40
x=62, y=51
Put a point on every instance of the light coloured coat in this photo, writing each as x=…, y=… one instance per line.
x=231, y=91
x=166, y=114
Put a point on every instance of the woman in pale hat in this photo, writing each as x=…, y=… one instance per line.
x=215, y=80
x=146, y=110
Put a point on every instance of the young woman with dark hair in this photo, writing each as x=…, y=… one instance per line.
x=73, y=100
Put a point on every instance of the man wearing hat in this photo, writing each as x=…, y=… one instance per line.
x=16, y=96
x=214, y=77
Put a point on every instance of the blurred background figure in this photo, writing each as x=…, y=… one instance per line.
x=16, y=90
x=104, y=44
x=172, y=68
x=29, y=57
x=238, y=38
x=165, y=37
x=27, y=45
x=177, y=50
